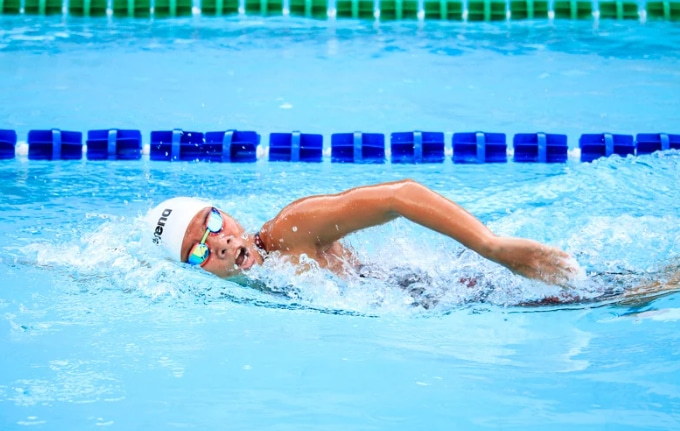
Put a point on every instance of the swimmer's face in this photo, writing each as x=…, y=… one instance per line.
x=231, y=249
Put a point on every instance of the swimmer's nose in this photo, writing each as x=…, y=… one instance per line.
x=221, y=252
x=220, y=246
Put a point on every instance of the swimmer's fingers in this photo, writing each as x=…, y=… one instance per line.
x=537, y=261
x=560, y=269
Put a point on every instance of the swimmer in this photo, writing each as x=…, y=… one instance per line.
x=193, y=231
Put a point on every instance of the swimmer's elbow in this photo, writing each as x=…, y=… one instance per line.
x=403, y=192
x=408, y=183
x=405, y=188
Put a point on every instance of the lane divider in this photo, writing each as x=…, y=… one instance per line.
x=237, y=146
x=384, y=10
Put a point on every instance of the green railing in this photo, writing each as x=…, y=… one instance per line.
x=467, y=10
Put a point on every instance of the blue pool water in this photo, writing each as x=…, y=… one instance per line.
x=98, y=331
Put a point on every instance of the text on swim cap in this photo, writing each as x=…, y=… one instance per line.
x=159, y=226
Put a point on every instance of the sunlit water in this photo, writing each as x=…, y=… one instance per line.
x=98, y=330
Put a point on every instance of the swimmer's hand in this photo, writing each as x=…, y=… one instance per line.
x=534, y=260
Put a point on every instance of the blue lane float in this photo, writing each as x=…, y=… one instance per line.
x=234, y=146
x=594, y=146
x=176, y=145
x=295, y=147
x=417, y=147
x=114, y=144
x=55, y=144
x=231, y=146
x=8, y=143
x=540, y=148
x=479, y=147
x=358, y=147
x=648, y=143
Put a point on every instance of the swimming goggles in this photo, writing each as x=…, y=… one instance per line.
x=199, y=253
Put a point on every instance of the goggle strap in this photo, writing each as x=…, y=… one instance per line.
x=205, y=236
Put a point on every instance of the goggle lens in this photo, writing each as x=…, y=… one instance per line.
x=214, y=222
x=199, y=253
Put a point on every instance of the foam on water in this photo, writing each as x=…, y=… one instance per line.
x=100, y=331
x=622, y=233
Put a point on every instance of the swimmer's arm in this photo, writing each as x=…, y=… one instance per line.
x=319, y=221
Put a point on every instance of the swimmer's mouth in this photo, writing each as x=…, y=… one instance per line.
x=242, y=256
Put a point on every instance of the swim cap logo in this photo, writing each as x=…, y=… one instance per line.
x=159, y=226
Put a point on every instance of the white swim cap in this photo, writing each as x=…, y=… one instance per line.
x=168, y=223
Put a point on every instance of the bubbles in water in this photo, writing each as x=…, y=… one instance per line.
x=407, y=269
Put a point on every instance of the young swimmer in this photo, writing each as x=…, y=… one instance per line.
x=195, y=232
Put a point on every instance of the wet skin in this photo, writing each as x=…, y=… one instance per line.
x=314, y=225
x=232, y=250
